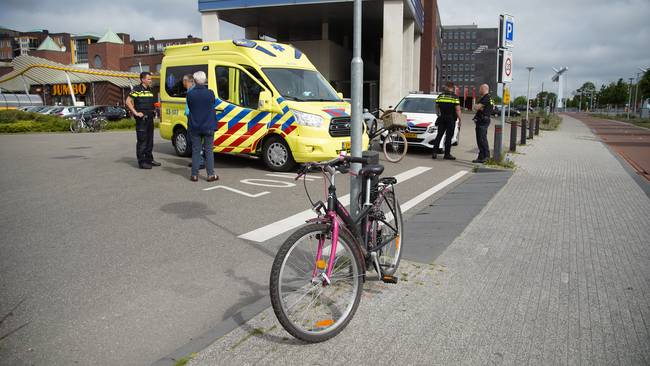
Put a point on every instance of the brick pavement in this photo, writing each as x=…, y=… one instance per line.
x=554, y=270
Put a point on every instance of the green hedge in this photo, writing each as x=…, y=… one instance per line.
x=14, y=121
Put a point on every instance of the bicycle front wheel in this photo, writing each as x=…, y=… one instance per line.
x=395, y=146
x=75, y=125
x=311, y=306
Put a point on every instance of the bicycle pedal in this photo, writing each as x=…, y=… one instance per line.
x=389, y=279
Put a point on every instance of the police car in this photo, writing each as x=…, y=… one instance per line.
x=421, y=115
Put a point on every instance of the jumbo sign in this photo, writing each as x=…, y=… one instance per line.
x=63, y=89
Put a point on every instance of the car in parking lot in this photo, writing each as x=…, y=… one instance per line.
x=421, y=116
x=112, y=113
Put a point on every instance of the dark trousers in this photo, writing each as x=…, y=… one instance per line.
x=482, y=141
x=445, y=127
x=144, y=134
x=205, y=142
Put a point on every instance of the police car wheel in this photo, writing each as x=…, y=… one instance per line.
x=182, y=143
x=277, y=155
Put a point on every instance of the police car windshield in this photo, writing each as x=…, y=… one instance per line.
x=417, y=105
x=301, y=85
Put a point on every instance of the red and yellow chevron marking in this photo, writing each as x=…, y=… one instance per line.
x=225, y=139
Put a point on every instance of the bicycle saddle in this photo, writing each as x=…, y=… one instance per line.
x=371, y=170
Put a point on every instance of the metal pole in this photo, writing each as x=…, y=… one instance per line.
x=498, y=128
x=357, y=107
x=636, y=91
x=74, y=100
x=530, y=69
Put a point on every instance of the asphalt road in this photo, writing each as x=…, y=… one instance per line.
x=104, y=263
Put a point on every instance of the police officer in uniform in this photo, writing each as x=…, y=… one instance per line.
x=141, y=104
x=482, y=121
x=448, y=111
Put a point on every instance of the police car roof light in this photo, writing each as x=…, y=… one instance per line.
x=244, y=43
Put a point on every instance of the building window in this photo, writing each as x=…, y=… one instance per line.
x=98, y=62
x=473, y=67
x=462, y=35
x=158, y=66
x=461, y=57
x=473, y=35
x=160, y=47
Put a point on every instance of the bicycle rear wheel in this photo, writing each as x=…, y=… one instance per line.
x=395, y=146
x=307, y=306
x=388, y=227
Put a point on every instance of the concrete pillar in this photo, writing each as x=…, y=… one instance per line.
x=252, y=32
x=210, y=26
x=390, y=68
x=407, y=54
x=417, y=44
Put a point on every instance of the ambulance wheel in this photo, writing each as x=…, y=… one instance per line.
x=182, y=142
x=277, y=155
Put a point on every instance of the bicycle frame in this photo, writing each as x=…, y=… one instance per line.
x=341, y=219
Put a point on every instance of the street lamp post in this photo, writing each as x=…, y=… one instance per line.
x=629, y=98
x=530, y=69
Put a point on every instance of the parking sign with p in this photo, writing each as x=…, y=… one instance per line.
x=506, y=31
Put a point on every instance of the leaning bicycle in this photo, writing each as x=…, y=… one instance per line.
x=391, y=133
x=92, y=124
x=318, y=273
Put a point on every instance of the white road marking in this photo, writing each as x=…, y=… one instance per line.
x=279, y=227
x=308, y=177
x=251, y=195
x=431, y=191
x=268, y=183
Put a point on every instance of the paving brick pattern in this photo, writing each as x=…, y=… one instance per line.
x=554, y=270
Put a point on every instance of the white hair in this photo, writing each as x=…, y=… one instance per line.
x=199, y=77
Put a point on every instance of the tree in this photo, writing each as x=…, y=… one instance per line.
x=614, y=93
x=588, y=86
x=644, y=86
x=520, y=100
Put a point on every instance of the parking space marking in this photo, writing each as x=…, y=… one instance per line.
x=251, y=195
x=279, y=227
x=293, y=176
x=268, y=183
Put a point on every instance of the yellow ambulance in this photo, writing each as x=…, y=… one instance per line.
x=271, y=102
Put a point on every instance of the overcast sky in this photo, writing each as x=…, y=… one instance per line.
x=598, y=40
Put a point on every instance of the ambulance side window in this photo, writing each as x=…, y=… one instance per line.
x=174, y=78
x=249, y=91
x=223, y=82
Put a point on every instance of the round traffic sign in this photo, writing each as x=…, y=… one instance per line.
x=508, y=66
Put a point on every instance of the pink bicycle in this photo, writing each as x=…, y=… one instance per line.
x=318, y=273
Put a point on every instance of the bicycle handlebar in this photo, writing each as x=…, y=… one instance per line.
x=339, y=163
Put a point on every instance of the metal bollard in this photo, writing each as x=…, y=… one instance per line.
x=513, y=136
x=537, y=126
x=531, y=124
x=524, y=123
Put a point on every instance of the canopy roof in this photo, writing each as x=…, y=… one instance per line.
x=32, y=70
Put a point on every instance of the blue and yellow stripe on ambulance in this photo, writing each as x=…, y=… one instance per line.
x=239, y=129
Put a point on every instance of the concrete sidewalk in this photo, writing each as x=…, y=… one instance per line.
x=554, y=270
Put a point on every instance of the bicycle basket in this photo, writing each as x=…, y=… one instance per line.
x=394, y=120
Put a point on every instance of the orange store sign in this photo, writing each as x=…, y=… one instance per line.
x=63, y=89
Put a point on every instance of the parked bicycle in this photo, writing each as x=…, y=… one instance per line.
x=92, y=124
x=318, y=273
x=388, y=128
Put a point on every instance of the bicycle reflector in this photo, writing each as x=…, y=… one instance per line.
x=324, y=323
x=320, y=264
x=397, y=242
